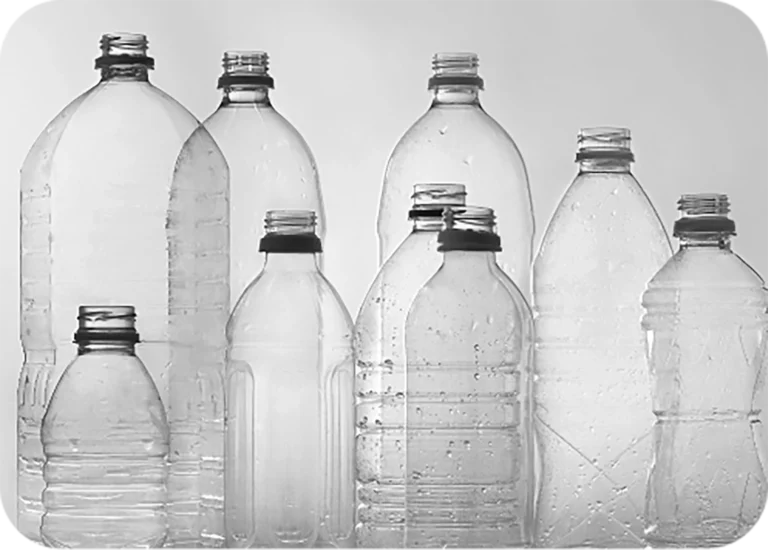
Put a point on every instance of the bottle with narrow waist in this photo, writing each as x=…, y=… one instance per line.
x=707, y=331
x=468, y=447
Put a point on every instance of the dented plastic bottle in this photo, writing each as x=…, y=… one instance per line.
x=707, y=331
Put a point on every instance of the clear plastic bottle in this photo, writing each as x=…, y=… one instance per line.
x=271, y=166
x=592, y=397
x=290, y=436
x=105, y=439
x=707, y=328
x=468, y=445
x=95, y=192
x=457, y=141
x=380, y=373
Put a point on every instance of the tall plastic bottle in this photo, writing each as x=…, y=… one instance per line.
x=98, y=227
x=468, y=448
x=289, y=400
x=380, y=371
x=707, y=331
x=271, y=166
x=105, y=439
x=457, y=141
x=592, y=395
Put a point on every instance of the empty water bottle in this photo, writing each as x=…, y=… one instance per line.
x=468, y=445
x=271, y=166
x=95, y=193
x=592, y=395
x=380, y=373
x=707, y=331
x=457, y=141
x=289, y=400
x=105, y=439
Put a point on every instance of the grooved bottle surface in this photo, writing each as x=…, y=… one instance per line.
x=100, y=224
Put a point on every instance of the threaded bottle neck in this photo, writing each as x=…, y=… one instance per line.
x=290, y=232
x=124, y=56
x=604, y=149
x=469, y=228
x=106, y=328
x=704, y=221
x=429, y=202
x=245, y=70
x=455, y=78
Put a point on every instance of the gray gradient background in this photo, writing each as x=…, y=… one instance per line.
x=687, y=77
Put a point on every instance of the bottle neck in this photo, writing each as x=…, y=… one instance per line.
x=120, y=348
x=428, y=224
x=134, y=72
x=468, y=260
x=456, y=95
x=245, y=95
x=719, y=241
x=297, y=262
x=604, y=165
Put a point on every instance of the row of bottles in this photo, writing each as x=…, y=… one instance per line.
x=470, y=403
x=444, y=456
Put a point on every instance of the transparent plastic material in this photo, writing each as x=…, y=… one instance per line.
x=271, y=166
x=707, y=326
x=468, y=451
x=457, y=141
x=380, y=372
x=289, y=400
x=592, y=395
x=106, y=440
x=95, y=191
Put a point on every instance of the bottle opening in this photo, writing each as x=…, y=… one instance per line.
x=290, y=231
x=469, y=228
x=604, y=143
x=430, y=199
x=704, y=214
x=455, y=68
x=106, y=323
x=245, y=68
x=124, y=48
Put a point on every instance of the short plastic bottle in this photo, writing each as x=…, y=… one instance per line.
x=289, y=452
x=105, y=439
x=707, y=332
x=468, y=447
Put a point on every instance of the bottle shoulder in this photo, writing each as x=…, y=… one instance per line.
x=288, y=305
x=699, y=267
x=256, y=130
x=456, y=128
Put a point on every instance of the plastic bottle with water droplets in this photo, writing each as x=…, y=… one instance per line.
x=707, y=332
x=380, y=372
x=468, y=448
x=106, y=439
x=457, y=141
x=271, y=166
x=112, y=213
x=592, y=397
